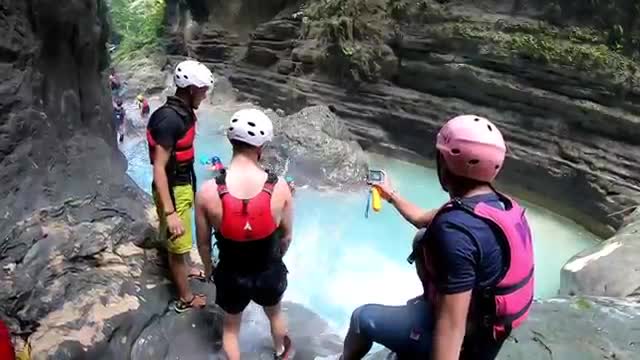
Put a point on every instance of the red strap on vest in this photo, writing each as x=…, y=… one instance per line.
x=246, y=219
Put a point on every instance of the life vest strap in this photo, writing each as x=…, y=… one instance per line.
x=221, y=181
x=508, y=320
x=506, y=290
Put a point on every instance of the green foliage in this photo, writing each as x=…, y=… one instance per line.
x=351, y=35
x=583, y=304
x=139, y=22
x=352, y=32
x=619, y=18
x=578, y=48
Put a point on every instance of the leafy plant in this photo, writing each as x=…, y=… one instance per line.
x=351, y=33
x=578, y=48
x=140, y=22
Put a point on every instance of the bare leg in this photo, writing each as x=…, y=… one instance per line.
x=179, y=271
x=230, y=333
x=278, y=326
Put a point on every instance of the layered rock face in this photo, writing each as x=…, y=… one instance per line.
x=69, y=211
x=74, y=284
x=574, y=132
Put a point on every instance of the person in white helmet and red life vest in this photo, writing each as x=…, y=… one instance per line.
x=474, y=257
x=170, y=135
x=251, y=210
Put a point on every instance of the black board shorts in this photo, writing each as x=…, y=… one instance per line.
x=235, y=289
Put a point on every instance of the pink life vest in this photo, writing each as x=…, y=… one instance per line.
x=512, y=296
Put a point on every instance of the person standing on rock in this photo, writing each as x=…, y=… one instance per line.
x=170, y=135
x=251, y=210
x=474, y=257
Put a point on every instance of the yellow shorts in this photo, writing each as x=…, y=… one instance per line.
x=184, y=204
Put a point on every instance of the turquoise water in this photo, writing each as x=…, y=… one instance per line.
x=339, y=260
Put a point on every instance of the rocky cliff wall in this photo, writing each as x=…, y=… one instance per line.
x=572, y=135
x=69, y=212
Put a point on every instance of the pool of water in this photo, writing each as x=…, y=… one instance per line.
x=339, y=259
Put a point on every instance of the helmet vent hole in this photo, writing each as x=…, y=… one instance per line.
x=497, y=167
x=234, y=121
x=455, y=151
x=251, y=133
x=252, y=124
x=231, y=128
x=179, y=70
x=474, y=162
x=261, y=132
x=476, y=119
x=185, y=76
x=489, y=127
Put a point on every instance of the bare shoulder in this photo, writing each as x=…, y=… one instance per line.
x=208, y=192
x=283, y=188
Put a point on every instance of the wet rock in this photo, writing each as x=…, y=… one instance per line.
x=611, y=268
x=285, y=67
x=315, y=147
x=211, y=43
x=572, y=329
x=154, y=332
x=577, y=328
x=261, y=56
x=143, y=73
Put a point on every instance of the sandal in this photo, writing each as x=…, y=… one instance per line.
x=181, y=306
x=197, y=276
x=289, y=351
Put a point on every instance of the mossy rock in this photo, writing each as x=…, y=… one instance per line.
x=581, y=49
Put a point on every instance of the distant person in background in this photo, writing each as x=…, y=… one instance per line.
x=171, y=134
x=114, y=81
x=474, y=257
x=119, y=115
x=251, y=210
x=215, y=164
x=143, y=105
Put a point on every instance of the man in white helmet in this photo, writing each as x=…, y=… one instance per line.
x=251, y=210
x=171, y=134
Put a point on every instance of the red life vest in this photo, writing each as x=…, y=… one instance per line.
x=6, y=347
x=247, y=237
x=183, y=150
x=506, y=305
x=247, y=219
x=145, y=106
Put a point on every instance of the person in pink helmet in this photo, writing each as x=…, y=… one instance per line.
x=473, y=256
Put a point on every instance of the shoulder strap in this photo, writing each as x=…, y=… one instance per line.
x=221, y=181
x=270, y=183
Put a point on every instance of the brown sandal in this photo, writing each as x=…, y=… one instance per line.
x=181, y=306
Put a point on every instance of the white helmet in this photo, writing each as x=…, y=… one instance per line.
x=250, y=126
x=191, y=72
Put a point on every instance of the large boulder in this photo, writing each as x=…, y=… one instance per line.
x=315, y=147
x=577, y=329
x=611, y=268
x=572, y=329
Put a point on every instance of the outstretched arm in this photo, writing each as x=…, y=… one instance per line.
x=417, y=216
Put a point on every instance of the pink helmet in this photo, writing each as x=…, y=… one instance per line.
x=472, y=147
